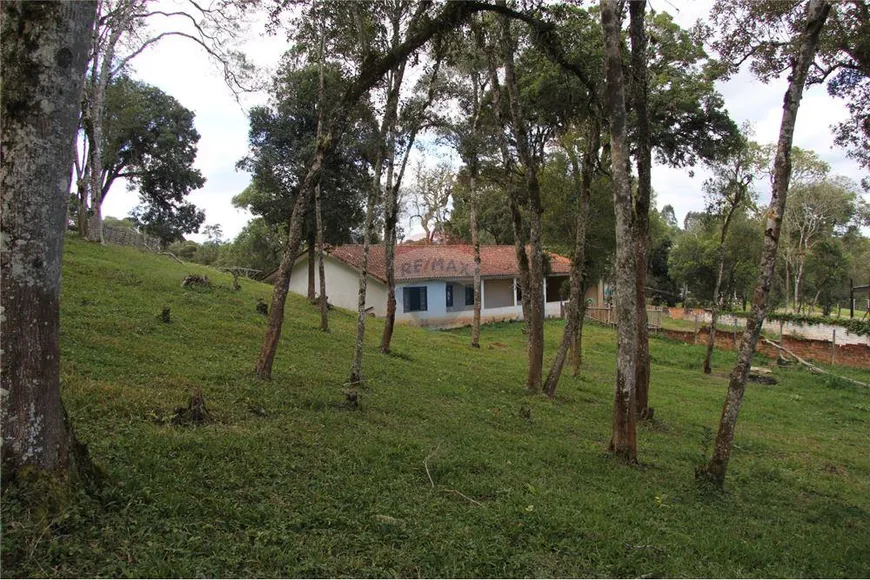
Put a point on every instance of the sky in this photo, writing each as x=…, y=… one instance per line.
x=182, y=69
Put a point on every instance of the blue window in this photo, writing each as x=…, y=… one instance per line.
x=415, y=299
x=449, y=295
x=469, y=295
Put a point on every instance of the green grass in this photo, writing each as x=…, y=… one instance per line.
x=315, y=489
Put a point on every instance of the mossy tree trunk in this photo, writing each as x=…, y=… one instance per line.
x=535, y=280
x=817, y=13
x=640, y=99
x=623, y=442
x=44, y=54
x=582, y=177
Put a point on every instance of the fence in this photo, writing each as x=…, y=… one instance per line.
x=607, y=315
x=126, y=237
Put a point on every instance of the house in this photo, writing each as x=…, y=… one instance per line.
x=435, y=283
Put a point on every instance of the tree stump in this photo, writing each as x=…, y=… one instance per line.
x=196, y=412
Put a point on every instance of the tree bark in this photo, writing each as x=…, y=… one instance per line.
x=533, y=191
x=318, y=210
x=817, y=13
x=321, y=268
x=266, y=358
x=624, y=440
x=475, y=244
x=640, y=99
x=44, y=54
x=577, y=346
x=583, y=182
x=391, y=209
x=717, y=290
x=312, y=263
x=390, y=220
x=513, y=200
x=96, y=112
x=387, y=127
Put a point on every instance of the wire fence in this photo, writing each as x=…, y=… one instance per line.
x=126, y=237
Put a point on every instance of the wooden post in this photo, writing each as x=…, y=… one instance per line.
x=833, y=345
x=851, y=298
x=779, y=352
x=695, y=340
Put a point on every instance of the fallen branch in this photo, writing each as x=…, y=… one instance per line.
x=463, y=496
x=432, y=481
x=811, y=366
x=171, y=255
x=426, y=464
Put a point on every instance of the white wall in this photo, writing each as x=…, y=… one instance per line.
x=342, y=285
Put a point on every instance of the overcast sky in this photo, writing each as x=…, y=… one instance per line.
x=183, y=70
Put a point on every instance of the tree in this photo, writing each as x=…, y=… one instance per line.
x=43, y=53
x=429, y=198
x=122, y=32
x=728, y=192
x=639, y=86
x=624, y=440
x=149, y=139
x=258, y=246
x=168, y=220
x=800, y=60
x=816, y=210
x=412, y=118
x=535, y=281
x=468, y=69
x=582, y=175
x=385, y=147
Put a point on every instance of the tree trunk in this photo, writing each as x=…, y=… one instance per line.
x=798, y=279
x=44, y=55
x=717, y=290
x=513, y=201
x=714, y=315
x=577, y=347
x=374, y=194
x=387, y=126
x=624, y=440
x=321, y=268
x=282, y=282
x=312, y=264
x=787, y=283
x=318, y=210
x=817, y=13
x=536, y=270
x=390, y=219
x=640, y=98
x=82, y=201
x=475, y=243
x=583, y=182
x=451, y=16
x=96, y=113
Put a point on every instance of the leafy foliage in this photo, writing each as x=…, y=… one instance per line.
x=282, y=141
x=150, y=140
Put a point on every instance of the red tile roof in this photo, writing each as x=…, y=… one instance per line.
x=442, y=261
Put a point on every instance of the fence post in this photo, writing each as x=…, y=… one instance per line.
x=695, y=338
x=779, y=352
x=833, y=345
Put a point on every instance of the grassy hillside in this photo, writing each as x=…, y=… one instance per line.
x=520, y=485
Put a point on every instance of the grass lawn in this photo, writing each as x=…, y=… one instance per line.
x=520, y=485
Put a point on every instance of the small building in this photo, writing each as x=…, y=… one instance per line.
x=435, y=283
